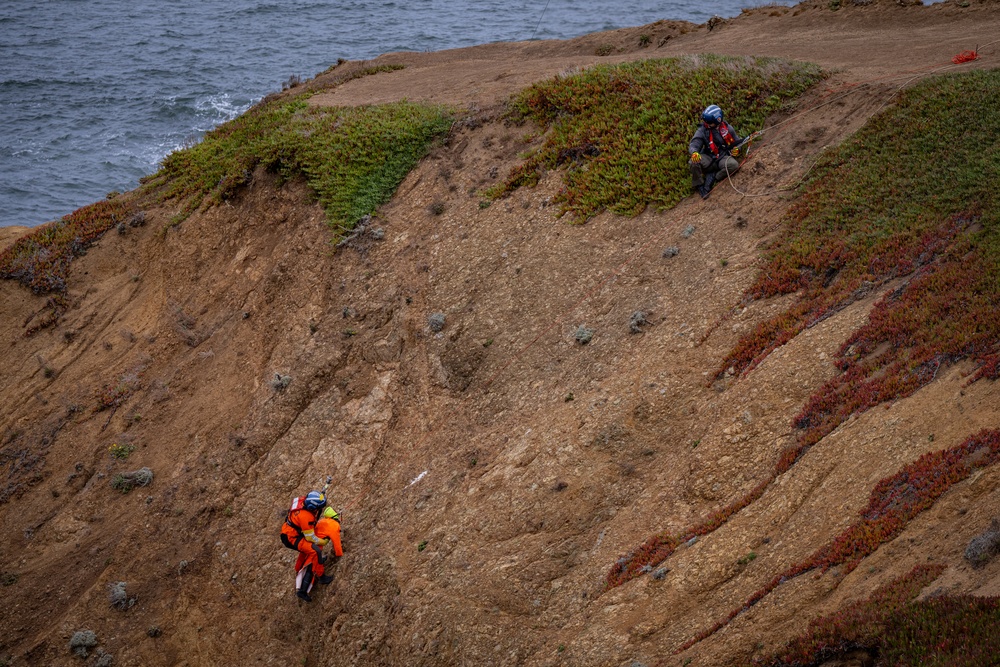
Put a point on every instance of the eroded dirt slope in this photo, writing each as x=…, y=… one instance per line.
x=490, y=473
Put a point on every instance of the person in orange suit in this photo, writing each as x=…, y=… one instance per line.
x=299, y=533
x=328, y=530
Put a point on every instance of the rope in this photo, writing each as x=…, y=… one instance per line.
x=539, y=21
x=959, y=59
x=966, y=56
x=436, y=425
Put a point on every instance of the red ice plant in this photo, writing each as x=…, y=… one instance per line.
x=959, y=631
x=114, y=394
x=891, y=505
x=40, y=260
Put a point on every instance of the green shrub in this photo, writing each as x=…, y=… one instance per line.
x=985, y=546
x=281, y=382
x=82, y=641
x=121, y=451
x=352, y=158
x=119, y=597
x=125, y=482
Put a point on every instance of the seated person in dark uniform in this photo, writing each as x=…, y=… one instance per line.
x=713, y=156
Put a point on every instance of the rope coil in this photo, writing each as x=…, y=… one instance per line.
x=965, y=57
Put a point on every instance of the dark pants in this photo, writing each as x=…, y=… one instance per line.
x=723, y=167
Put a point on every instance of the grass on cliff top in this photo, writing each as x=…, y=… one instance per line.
x=623, y=130
x=352, y=158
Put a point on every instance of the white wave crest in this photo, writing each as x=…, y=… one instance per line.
x=220, y=107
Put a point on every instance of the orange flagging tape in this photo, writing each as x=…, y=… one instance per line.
x=964, y=57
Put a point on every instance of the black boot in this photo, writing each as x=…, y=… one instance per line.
x=304, y=581
x=706, y=188
x=326, y=579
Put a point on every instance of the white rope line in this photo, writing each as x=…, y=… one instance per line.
x=885, y=103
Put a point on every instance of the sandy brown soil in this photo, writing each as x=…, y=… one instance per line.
x=10, y=234
x=490, y=473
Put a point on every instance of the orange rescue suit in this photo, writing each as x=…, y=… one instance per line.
x=329, y=530
x=299, y=533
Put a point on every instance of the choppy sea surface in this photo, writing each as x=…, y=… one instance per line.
x=94, y=93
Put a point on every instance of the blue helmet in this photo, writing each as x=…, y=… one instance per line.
x=314, y=502
x=712, y=114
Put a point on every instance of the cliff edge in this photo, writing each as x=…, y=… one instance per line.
x=491, y=468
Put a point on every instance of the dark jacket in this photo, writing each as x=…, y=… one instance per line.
x=700, y=141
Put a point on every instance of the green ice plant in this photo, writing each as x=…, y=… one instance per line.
x=353, y=158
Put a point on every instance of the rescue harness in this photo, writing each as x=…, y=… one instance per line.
x=727, y=134
x=289, y=542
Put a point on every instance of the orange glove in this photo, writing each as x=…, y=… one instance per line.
x=736, y=152
x=695, y=158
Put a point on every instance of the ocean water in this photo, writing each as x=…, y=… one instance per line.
x=94, y=93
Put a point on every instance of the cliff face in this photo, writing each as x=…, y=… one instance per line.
x=490, y=472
